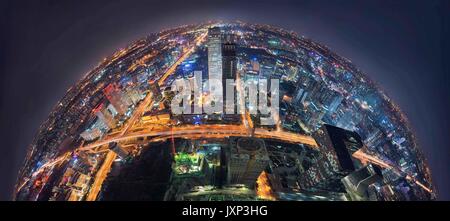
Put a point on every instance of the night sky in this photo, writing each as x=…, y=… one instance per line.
x=46, y=46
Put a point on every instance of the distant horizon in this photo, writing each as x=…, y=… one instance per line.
x=393, y=48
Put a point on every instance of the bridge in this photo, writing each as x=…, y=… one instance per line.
x=206, y=131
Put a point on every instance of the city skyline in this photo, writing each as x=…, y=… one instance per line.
x=333, y=123
x=300, y=98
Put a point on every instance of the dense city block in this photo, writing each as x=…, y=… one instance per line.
x=113, y=135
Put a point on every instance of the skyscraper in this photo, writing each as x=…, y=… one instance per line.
x=337, y=100
x=229, y=64
x=229, y=60
x=214, y=57
x=118, y=99
x=357, y=183
x=300, y=96
x=247, y=159
x=336, y=146
x=339, y=142
x=96, y=129
x=106, y=113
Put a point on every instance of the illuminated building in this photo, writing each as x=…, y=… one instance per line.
x=300, y=96
x=334, y=162
x=263, y=189
x=374, y=138
x=189, y=170
x=134, y=95
x=117, y=98
x=95, y=130
x=333, y=105
x=106, y=113
x=156, y=91
x=215, y=52
x=215, y=56
x=342, y=141
x=247, y=159
x=189, y=164
x=229, y=60
x=313, y=116
x=255, y=65
x=357, y=183
x=286, y=168
x=229, y=72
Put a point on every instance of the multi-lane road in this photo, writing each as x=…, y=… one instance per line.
x=365, y=158
x=100, y=176
x=205, y=131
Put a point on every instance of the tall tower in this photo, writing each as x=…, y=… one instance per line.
x=248, y=158
x=214, y=55
x=336, y=147
x=229, y=60
x=229, y=64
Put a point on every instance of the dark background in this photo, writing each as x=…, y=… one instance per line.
x=47, y=45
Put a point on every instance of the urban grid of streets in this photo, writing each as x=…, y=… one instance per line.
x=132, y=129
